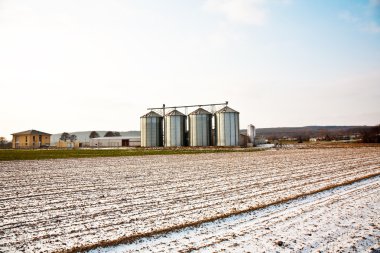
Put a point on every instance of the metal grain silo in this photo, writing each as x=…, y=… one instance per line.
x=227, y=127
x=251, y=132
x=175, y=129
x=151, y=130
x=200, y=123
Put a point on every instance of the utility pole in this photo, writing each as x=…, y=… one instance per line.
x=163, y=120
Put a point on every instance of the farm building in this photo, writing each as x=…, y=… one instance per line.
x=115, y=141
x=30, y=139
x=244, y=140
x=67, y=144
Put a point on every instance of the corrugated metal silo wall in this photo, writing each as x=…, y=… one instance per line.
x=200, y=129
x=227, y=129
x=175, y=128
x=151, y=132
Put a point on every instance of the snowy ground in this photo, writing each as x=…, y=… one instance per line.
x=52, y=205
x=345, y=219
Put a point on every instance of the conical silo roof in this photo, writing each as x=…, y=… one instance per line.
x=175, y=113
x=200, y=111
x=226, y=109
x=151, y=114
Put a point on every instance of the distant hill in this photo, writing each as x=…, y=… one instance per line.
x=84, y=135
x=311, y=131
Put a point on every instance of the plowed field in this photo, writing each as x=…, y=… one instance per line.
x=72, y=204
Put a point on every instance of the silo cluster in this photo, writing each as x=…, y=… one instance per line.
x=170, y=130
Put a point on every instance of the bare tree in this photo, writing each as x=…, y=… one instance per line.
x=3, y=140
x=4, y=143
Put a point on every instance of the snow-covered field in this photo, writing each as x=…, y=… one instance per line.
x=342, y=219
x=53, y=205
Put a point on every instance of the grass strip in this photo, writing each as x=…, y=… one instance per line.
x=40, y=154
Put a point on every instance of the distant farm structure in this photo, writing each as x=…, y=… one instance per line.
x=114, y=141
x=30, y=139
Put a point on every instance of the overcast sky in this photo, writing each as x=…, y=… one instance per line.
x=76, y=65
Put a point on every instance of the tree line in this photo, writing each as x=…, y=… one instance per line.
x=371, y=135
x=72, y=137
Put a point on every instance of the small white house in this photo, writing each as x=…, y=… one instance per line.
x=115, y=141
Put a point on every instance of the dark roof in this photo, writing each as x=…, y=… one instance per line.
x=226, y=109
x=175, y=113
x=151, y=114
x=31, y=132
x=200, y=111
